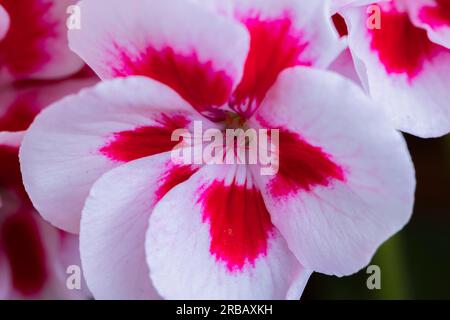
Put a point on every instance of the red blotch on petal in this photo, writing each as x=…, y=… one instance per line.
x=240, y=224
x=174, y=176
x=199, y=83
x=302, y=166
x=24, y=250
x=436, y=16
x=274, y=46
x=402, y=47
x=22, y=50
x=144, y=141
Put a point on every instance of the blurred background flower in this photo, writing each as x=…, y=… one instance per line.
x=36, y=69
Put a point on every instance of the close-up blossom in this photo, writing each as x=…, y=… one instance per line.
x=223, y=149
x=334, y=200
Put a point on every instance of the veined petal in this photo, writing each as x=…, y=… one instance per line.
x=35, y=45
x=403, y=70
x=74, y=141
x=115, y=221
x=13, y=139
x=211, y=237
x=335, y=197
x=283, y=34
x=197, y=53
x=337, y=5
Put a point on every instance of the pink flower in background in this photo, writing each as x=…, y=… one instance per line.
x=404, y=65
x=33, y=255
x=99, y=162
x=33, y=40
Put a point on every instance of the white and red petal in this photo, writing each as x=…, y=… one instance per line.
x=35, y=45
x=335, y=197
x=434, y=16
x=4, y=22
x=211, y=237
x=74, y=141
x=189, y=48
x=403, y=70
x=114, y=224
x=283, y=34
x=337, y=5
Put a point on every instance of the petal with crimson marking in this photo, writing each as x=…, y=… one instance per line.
x=211, y=238
x=175, y=42
x=404, y=71
x=335, y=198
x=114, y=223
x=74, y=141
x=35, y=45
x=283, y=34
x=434, y=16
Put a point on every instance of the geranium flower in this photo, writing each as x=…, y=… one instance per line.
x=99, y=162
x=404, y=64
x=4, y=22
x=33, y=40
